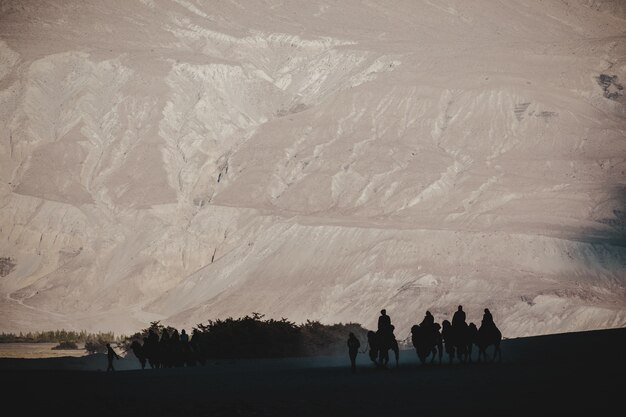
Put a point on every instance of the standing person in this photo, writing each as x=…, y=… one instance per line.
x=110, y=356
x=353, y=350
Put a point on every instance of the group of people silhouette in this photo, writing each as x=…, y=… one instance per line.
x=170, y=350
x=431, y=339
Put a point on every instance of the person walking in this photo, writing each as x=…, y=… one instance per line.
x=353, y=350
x=110, y=356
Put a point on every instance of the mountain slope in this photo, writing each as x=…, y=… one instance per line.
x=182, y=161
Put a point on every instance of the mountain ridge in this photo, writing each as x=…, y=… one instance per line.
x=181, y=161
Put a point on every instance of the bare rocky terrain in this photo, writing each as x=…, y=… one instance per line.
x=185, y=160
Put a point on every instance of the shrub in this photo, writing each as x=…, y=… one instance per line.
x=255, y=337
x=321, y=339
x=96, y=345
x=249, y=337
x=65, y=346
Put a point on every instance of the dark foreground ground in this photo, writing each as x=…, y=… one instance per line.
x=567, y=374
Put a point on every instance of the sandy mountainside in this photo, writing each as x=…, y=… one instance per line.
x=185, y=160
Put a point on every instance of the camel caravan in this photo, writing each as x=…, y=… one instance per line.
x=431, y=339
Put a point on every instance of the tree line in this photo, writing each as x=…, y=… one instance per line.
x=58, y=336
x=251, y=336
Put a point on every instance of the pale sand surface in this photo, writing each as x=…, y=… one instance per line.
x=37, y=350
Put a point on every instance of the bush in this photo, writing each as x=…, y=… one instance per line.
x=96, y=345
x=66, y=346
x=250, y=337
x=321, y=339
x=256, y=337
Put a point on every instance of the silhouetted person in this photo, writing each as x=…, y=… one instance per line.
x=459, y=317
x=385, y=329
x=110, y=356
x=185, y=349
x=353, y=350
x=488, y=334
x=384, y=322
x=429, y=321
x=487, y=320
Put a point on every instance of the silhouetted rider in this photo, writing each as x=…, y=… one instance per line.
x=488, y=320
x=384, y=322
x=459, y=317
x=487, y=323
x=428, y=321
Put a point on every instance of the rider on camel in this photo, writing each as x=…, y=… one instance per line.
x=429, y=321
x=384, y=322
x=487, y=319
x=459, y=318
x=385, y=329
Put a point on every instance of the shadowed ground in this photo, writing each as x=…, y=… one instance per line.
x=574, y=373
